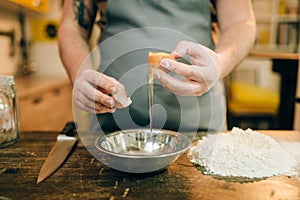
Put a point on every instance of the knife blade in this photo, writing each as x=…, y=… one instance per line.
x=59, y=152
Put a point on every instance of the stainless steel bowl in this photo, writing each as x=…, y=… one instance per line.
x=139, y=150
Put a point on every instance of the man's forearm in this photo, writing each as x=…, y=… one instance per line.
x=234, y=44
x=74, y=32
x=73, y=51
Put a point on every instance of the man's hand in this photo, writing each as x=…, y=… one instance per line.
x=94, y=92
x=198, y=77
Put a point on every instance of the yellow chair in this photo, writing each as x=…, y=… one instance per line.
x=250, y=106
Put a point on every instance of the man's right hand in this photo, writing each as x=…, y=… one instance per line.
x=93, y=92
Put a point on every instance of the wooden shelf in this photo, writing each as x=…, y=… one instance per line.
x=277, y=24
x=275, y=55
x=40, y=6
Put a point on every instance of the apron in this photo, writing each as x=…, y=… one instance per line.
x=136, y=27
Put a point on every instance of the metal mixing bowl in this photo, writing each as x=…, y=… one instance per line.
x=139, y=150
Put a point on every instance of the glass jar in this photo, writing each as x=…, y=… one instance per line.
x=9, y=113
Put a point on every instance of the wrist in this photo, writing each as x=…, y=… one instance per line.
x=226, y=62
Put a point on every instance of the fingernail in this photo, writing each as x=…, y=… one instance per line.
x=157, y=75
x=180, y=52
x=113, y=90
x=110, y=103
x=165, y=64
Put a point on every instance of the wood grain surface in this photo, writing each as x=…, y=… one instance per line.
x=83, y=177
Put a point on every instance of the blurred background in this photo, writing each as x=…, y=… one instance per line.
x=29, y=51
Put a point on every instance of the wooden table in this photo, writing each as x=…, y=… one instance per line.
x=83, y=177
x=286, y=64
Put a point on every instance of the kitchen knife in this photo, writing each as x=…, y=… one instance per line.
x=59, y=152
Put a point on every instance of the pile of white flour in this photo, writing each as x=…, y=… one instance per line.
x=242, y=153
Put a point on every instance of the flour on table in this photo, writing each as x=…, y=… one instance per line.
x=242, y=153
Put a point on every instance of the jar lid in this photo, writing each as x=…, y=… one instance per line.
x=7, y=79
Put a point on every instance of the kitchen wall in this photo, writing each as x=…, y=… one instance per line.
x=44, y=51
x=9, y=62
x=43, y=54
